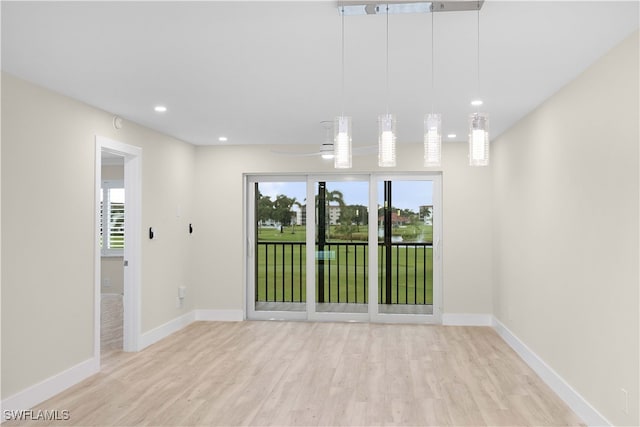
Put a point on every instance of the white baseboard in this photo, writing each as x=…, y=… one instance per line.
x=163, y=331
x=467, y=319
x=572, y=398
x=220, y=315
x=38, y=393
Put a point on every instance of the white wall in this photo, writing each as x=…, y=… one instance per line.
x=566, y=232
x=48, y=162
x=218, y=258
x=112, y=172
x=112, y=275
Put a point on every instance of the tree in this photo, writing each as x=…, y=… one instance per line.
x=346, y=220
x=335, y=196
x=301, y=209
x=265, y=208
x=425, y=211
x=361, y=215
x=282, y=210
x=332, y=196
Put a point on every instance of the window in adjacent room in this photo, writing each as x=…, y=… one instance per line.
x=112, y=214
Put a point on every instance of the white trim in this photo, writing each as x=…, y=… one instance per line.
x=373, y=243
x=310, y=249
x=219, y=315
x=97, y=269
x=38, y=393
x=426, y=319
x=467, y=319
x=571, y=397
x=132, y=300
x=132, y=252
x=276, y=315
x=248, y=249
x=166, y=329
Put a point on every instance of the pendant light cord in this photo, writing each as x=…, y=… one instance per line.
x=342, y=59
x=433, y=86
x=479, y=52
x=387, y=58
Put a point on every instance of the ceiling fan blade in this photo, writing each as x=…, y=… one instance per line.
x=366, y=150
x=295, y=153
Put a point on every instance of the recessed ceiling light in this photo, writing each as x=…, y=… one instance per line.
x=160, y=109
x=476, y=102
x=451, y=135
x=223, y=139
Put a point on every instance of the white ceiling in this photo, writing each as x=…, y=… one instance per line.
x=269, y=72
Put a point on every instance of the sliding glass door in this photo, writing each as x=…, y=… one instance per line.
x=405, y=246
x=341, y=247
x=277, y=247
x=344, y=247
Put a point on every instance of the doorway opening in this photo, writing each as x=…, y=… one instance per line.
x=112, y=244
x=118, y=240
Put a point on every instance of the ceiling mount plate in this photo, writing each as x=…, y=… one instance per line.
x=408, y=6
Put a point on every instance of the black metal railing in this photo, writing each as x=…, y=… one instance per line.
x=281, y=272
x=410, y=279
x=344, y=265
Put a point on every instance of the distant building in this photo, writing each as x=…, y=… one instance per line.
x=396, y=220
x=300, y=213
x=334, y=214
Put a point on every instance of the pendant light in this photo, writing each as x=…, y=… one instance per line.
x=432, y=121
x=387, y=123
x=478, y=124
x=342, y=124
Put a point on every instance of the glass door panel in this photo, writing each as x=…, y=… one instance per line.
x=341, y=244
x=405, y=247
x=280, y=249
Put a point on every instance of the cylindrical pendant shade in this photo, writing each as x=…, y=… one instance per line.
x=386, y=140
x=342, y=142
x=479, y=139
x=432, y=139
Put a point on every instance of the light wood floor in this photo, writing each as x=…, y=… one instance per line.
x=303, y=373
x=111, y=322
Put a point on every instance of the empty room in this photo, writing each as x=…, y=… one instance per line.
x=319, y=213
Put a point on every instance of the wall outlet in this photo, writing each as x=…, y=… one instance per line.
x=625, y=400
x=106, y=282
x=178, y=303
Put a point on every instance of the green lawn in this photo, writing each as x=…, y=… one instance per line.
x=281, y=271
x=295, y=233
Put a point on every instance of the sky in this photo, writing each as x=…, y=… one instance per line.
x=405, y=194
